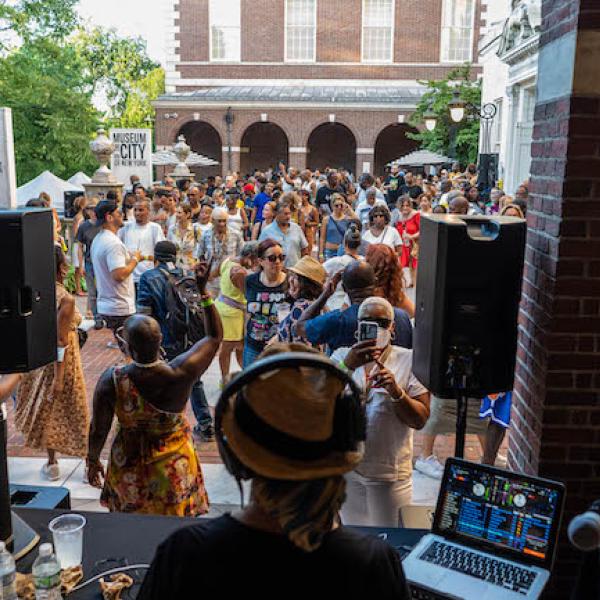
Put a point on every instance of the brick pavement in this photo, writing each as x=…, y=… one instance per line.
x=97, y=357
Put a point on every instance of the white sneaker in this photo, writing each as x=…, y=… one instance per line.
x=51, y=472
x=430, y=466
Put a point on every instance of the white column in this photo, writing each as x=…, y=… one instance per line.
x=8, y=177
x=508, y=149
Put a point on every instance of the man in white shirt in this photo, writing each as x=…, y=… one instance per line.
x=113, y=267
x=397, y=403
x=366, y=182
x=364, y=208
x=142, y=235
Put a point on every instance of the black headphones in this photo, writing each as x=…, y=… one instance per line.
x=349, y=422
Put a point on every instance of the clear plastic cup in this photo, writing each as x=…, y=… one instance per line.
x=67, y=534
x=283, y=310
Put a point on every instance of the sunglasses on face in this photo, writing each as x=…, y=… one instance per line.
x=338, y=206
x=383, y=323
x=273, y=258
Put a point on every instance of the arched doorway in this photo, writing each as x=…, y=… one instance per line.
x=204, y=139
x=391, y=144
x=264, y=145
x=331, y=145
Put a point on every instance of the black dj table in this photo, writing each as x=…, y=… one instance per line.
x=114, y=539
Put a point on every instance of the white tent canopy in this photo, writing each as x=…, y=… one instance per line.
x=79, y=179
x=167, y=157
x=421, y=158
x=47, y=182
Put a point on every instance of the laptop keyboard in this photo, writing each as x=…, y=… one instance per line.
x=494, y=571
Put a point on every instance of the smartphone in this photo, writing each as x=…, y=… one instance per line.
x=367, y=330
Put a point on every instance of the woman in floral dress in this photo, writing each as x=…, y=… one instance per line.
x=51, y=411
x=153, y=466
x=183, y=234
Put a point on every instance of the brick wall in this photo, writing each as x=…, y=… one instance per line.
x=338, y=31
x=556, y=430
x=261, y=40
x=416, y=40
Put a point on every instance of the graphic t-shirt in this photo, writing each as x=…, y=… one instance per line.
x=263, y=305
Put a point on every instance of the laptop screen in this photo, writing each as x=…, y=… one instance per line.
x=495, y=510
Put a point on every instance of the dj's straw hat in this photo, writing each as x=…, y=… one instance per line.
x=310, y=268
x=296, y=403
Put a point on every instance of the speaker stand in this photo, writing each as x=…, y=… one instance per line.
x=14, y=532
x=460, y=372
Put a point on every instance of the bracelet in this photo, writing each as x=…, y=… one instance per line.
x=206, y=302
x=403, y=397
x=344, y=367
x=60, y=353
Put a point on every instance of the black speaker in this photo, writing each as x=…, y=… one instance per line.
x=487, y=171
x=467, y=302
x=27, y=290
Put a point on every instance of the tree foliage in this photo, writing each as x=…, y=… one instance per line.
x=138, y=110
x=53, y=116
x=116, y=65
x=52, y=70
x=28, y=20
x=458, y=140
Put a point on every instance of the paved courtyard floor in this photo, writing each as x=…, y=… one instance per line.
x=25, y=464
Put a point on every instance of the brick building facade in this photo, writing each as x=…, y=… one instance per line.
x=310, y=82
x=556, y=401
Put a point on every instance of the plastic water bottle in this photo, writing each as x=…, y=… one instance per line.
x=46, y=574
x=8, y=574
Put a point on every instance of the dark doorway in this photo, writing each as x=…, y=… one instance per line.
x=391, y=144
x=331, y=145
x=263, y=145
x=204, y=139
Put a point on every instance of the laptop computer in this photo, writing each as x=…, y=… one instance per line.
x=494, y=535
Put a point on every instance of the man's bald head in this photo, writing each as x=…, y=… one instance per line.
x=144, y=338
x=359, y=280
x=458, y=206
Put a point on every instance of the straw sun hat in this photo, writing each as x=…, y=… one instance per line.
x=310, y=268
x=296, y=405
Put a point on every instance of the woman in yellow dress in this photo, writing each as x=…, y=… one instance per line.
x=51, y=411
x=231, y=304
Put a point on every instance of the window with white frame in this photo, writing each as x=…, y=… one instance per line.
x=457, y=30
x=300, y=30
x=225, y=31
x=378, y=30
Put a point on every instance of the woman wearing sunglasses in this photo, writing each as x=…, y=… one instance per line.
x=334, y=227
x=264, y=290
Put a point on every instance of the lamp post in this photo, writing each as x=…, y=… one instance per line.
x=458, y=109
x=486, y=114
x=229, y=122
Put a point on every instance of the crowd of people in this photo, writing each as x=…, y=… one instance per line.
x=280, y=262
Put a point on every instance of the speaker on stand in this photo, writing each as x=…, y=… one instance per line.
x=28, y=326
x=467, y=303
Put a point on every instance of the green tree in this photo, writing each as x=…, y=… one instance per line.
x=138, y=110
x=461, y=140
x=26, y=20
x=54, y=119
x=116, y=65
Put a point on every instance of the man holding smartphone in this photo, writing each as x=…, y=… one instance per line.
x=397, y=404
